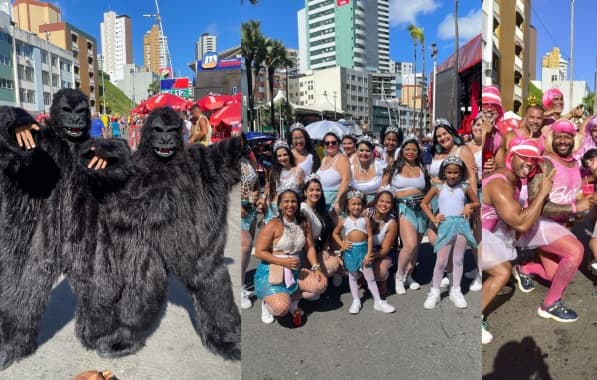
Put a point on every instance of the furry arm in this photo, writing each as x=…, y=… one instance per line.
x=116, y=153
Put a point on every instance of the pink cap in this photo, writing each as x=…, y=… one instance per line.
x=563, y=126
x=549, y=95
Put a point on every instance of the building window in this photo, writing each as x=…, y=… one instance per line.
x=7, y=83
x=54, y=60
x=45, y=78
x=30, y=96
x=29, y=73
x=22, y=95
x=20, y=71
x=47, y=99
x=55, y=80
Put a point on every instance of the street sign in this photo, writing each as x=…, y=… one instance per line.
x=176, y=86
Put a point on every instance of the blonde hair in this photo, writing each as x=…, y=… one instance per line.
x=549, y=142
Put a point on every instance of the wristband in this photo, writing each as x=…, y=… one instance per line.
x=315, y=267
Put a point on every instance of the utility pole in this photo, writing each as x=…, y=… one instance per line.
x=571, y=70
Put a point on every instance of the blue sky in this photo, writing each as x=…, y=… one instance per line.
x=434, y=16
x=551, y=18
x=183, y=21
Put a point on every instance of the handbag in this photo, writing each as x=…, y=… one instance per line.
x=276, y=274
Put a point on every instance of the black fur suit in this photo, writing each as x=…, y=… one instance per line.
x=171, y=218
x=48, y=213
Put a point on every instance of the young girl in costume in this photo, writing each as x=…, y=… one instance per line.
x=456, y=204
x=357, y=248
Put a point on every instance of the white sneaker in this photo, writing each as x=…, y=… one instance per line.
x=245, y=301
x=472, y=274
x=266, y=316
x=355, y=307
x=384, y=306
x=477, y=284
x=400, y=286
x=412, y=284
x=432, y=299
x=336, y=280
x=445, y=282
x=457, y=298
x=486, y=336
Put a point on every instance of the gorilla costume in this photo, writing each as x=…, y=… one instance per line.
x=49, y=204
x=169, y=219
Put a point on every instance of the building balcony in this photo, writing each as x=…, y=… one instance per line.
x=520, y=6
x=520, y=35
x=320, y=9
x=518, y=63
x=517, y=92
x=496, y=9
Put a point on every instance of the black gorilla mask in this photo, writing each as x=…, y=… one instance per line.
x=163, y=137
x=74, y=119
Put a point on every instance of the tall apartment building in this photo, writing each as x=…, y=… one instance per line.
x=117, y=44
x=554, y=60
x=155, y=54
x=507, y=44
x=44, y=20
x=351, y=34
x=41, y=68
x=204, y=44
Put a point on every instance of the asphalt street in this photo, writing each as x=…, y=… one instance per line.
x=526, y=346
x=412, y=343
x=173, y=351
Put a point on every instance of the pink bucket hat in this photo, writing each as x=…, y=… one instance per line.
x=492, y=95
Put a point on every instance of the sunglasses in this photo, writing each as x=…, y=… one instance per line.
x=330, y=143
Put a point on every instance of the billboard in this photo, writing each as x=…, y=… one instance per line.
x=213, y=63
x=176, y=86
x=343, y=2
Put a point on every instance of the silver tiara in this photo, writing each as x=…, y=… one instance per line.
x=387, y=188
x=354, y=194
x=311, y=176
x=391, y=128
x=452, y=160
x=440, y=122
x=280, y=144
x=285, y=187
x=365, y=139
x=297, y=126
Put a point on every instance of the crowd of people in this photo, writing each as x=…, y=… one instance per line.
x=538, y=182
x=359, y=211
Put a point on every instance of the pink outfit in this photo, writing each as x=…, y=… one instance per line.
x=489, y=216
x=540, y=140
x=567, y=183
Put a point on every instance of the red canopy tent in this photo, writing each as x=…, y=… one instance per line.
x=161, y=100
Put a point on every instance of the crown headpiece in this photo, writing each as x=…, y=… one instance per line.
x=312, y=176
x=365, y=139
x=285, y=187
x=387, y=188
x=441, y=122
x=297, y=126
x=280, y=144
x=354, y=194
x=532, y=100
x=391, y=128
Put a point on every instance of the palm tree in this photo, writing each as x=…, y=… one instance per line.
x=252, y=50
x=276, y=58
x=416, y=34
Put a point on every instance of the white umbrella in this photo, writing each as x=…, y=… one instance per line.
x=318, y=129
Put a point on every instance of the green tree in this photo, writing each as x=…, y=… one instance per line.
x=276, y=58
x=154, y=87
x=253, y=51
x=588, y=102
x=535, y=95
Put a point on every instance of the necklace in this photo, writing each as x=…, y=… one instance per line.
x=411, y=165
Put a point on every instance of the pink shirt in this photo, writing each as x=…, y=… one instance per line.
x=566, y=185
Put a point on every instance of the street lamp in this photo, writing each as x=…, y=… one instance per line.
x=132, y=72
x=434, y=56
x=103, y=85
x=49, y=65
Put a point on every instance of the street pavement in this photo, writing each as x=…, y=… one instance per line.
x=412, y=343
x=526, y=346
x=173, y=351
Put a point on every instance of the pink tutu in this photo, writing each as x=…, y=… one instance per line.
x=543, y=233
x=498, y=246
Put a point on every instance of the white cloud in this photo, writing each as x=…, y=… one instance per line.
x=468, y=26
x=406, y=11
